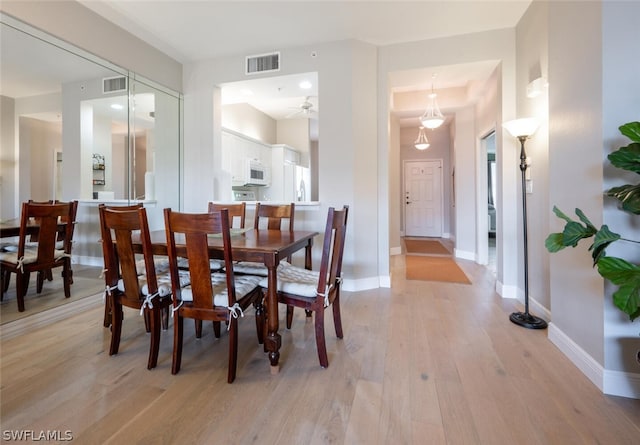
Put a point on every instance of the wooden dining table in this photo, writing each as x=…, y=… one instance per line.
x=259, y=245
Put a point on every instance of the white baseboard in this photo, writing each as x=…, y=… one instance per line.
x=363, y=284
x=395, y=251
x=464, y=255
x=615, y=383
x=88, y=260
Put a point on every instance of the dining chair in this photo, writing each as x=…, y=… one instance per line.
x=33, y=243
x=218, y=297
x=236, y=210
x=44, y=255
x=139, y=264
x=316, y=290
x=149, y=293
x=271, y=217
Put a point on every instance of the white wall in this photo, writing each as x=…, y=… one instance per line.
x=249, y=121
x=575, y=133
x=621, y=99
x=464, y=165
x=346, y=149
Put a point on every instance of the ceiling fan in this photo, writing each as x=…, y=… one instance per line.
x=304, y=109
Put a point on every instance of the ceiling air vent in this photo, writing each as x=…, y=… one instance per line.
x=114, y=84
x=262, y=63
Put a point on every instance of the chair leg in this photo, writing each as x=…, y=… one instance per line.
x=39, y=281
x=147, y=322
x=178, y=323
x=116, y=325
x=198, y=324
x=320, y=343
x=260, y=320
x=289, y=316
x=216, y=329
x=66, y=279
x=22, y=282
x=337, y=319
x=233, y=349
x=165, y=318
x=156, y=319
x=107, y=312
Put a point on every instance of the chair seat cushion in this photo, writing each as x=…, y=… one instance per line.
x=296, y=281
x=30, y=256
x=161, y=264
x=164, y=283
x=244, y=285
x=254, y=268
x=214, y=265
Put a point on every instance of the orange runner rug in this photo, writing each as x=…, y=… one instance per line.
x=434, y=268
x=432, y=247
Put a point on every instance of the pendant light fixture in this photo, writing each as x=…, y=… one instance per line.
x=432, y=117
x=422, y=143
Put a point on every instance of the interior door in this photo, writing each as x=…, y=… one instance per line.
x=423, y=198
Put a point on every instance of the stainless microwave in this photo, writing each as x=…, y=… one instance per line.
x=256, y=173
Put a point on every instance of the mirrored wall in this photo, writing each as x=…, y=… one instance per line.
x=77, y=127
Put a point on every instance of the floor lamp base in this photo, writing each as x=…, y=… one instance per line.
x=528, y=321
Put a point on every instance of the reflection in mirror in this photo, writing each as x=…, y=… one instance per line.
x=77, y=127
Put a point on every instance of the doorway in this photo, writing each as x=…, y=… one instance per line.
x=423, y=198
x=488, y=168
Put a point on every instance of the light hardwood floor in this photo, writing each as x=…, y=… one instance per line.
x=420, y=363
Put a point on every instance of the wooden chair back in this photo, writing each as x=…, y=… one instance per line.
x=332, y=253
x=124, y=288
x=236, y=210
x=275, y=215
x=118, y=227
x=54, y=221
x=193, y=229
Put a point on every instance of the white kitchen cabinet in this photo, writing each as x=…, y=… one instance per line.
x=237, y=149
x=284, y=160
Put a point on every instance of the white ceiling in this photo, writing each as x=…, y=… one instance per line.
x=198, y=30
x=203, y=29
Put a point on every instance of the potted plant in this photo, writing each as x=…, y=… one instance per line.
x=620, y=272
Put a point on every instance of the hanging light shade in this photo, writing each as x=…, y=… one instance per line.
x=432, y=117
x=422, y=143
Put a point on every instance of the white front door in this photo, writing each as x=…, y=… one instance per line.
x=423, y=198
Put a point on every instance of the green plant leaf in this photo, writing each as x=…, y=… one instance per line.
x=603, y=238
x=561, y=215
x=627, y=276
x=553, y=243
x=627, y=158
x=628, y=195
x=585, y=220
x=631, y=130
x=574, y=232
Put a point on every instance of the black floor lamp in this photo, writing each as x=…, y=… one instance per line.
x=523, y=129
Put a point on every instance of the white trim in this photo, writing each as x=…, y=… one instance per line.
x=464, y=255
x=615, y=383
x=395, y=251
x=506, y=291
x=350, y=285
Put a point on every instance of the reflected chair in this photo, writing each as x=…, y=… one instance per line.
x=316, y=290
x=149, y=293
x=217, y=297
x=49, y=220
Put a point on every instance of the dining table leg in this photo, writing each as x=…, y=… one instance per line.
x=273, y=340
